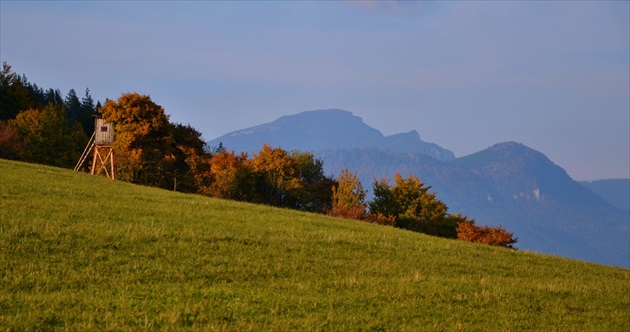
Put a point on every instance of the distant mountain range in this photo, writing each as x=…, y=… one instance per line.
x=614, y=191
x=325, y=130
x=507, y=184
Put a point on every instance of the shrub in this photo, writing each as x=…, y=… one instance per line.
x=494, y=236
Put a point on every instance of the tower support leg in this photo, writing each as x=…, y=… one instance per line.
x=103, y=155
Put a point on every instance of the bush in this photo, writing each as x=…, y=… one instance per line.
x=494, y=236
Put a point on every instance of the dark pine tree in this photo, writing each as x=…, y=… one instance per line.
x=53, y=96
x=13, y=96
x=73, y=107
x=37, y=95
x=87, y=111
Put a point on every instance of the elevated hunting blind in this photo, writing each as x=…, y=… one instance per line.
x=101, y=142
x=103, y=131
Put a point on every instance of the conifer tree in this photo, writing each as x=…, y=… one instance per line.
x=13, y=95
x=87, y=112
x=53, y=96
x=73, y=107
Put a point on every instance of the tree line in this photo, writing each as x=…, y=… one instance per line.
x=40, y=126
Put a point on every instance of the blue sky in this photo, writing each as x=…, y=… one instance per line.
x=554, y=76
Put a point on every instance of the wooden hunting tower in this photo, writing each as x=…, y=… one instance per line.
x=103, y=132
x=102, y=142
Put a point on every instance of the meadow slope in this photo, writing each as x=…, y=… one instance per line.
x=80, y=252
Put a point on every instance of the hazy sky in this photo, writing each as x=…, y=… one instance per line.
x=554, y=76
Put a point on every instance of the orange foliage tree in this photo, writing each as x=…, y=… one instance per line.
x=494, y=236
x=228, y=173
x=142, y=130
x=275, y=175
x=289, y=179
x=12, y=146
x=348, y=201
x=348, y=197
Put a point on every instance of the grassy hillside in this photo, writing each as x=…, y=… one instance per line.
x=81, y=252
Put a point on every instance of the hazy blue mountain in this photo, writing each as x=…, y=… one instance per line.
x=322, y=130
x=507, y=184
x=552, y=213
x=411, y=142
x=511, y=185
x=614, y=191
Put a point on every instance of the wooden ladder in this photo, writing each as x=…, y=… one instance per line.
x=86, y=152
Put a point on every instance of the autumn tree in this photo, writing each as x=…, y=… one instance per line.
x=187, y=156
x=275, y=175
x=348, y=197
x=47, y=138
x=315, y=192
x=467, y=230
x=231, y=177
x=413, y=206
x=199, y=166
x=12, y=146
x=141, y=145
x=289, y=179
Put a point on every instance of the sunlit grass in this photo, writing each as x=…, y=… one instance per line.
x=81, y=252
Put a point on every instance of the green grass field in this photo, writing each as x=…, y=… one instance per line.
x=80, y=252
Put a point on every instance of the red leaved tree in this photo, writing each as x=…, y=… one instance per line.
x=494, y=236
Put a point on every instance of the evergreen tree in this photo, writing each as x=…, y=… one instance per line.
x=87, y=103
x=37, y=97
x=53, y=96
x=87, y=113
x=73, y=107
x=219, y=148
x=13, y=96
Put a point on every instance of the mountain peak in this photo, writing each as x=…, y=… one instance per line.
x=410, y=134
x=411, y=142
x=324, y=112
x=326, y=129
x=523, y=169
x=322, y=115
